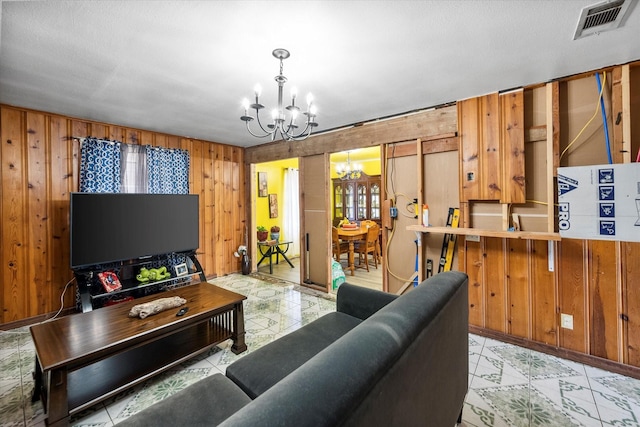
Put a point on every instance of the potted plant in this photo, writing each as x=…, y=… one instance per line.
x=262, y=233
x=275, y=233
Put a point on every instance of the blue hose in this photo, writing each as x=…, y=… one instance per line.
x=415, y=281
x=604, y=119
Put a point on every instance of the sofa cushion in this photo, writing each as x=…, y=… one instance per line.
x=260, y=369
x=205, y=403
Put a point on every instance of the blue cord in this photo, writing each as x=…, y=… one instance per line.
x=604, y=119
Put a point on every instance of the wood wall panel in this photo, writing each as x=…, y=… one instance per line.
x=62, y=181
x=117, y=133
x=37, y=213
x=474, y=263
x=39, y=152
x=98, y=130
x=603, y=291
x=572, y=293
x=238, y=191
x=495, y=290
x=544, y=318
x=536, y=296
x=196, y=186
x=469, y=131
x=226, y=249
x=631, y=301
x=218, y=197
x=15, y=295
x=512, y=146
x=145, y=138
x=490, y=154
x=519, y=309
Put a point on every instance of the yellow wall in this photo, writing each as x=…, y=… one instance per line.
x=275, y=185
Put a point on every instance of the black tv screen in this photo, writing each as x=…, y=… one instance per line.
x=108, y=227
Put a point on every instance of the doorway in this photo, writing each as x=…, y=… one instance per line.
x=356, y=197
x=276, y=210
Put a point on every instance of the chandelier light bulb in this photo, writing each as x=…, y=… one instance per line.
x=349, y=170
x=284, y=118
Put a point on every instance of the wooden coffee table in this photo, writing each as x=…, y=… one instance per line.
x=88, y=357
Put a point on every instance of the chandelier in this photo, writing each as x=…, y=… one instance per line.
x=349, y=171
x=282, y=122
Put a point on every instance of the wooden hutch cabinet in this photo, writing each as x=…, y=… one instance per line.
x=357, y=199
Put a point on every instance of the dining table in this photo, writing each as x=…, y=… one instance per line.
x=352, y=235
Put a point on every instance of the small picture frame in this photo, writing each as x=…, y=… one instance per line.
x=273, y=205
x=181, y=269
x=262, y=184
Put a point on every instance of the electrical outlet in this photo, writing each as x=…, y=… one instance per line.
x=566, y=321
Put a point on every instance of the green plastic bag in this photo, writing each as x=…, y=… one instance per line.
x=337, y=274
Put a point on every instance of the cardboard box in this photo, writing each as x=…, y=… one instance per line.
x=599, y=202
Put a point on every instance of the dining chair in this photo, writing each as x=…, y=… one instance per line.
x=369, y=246
x=338, y=247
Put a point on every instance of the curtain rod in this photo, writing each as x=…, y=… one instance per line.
x=84, y=138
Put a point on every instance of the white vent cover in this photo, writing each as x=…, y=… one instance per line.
x=600, y=17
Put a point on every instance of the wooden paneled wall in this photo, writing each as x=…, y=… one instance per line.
x=39, y=153
x=513, y=292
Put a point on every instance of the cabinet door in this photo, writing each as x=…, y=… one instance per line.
x=338, y=212
x=349, y=201
x=362, y=201
x=374, y=191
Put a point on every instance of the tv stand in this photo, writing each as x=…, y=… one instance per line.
x=90, y=293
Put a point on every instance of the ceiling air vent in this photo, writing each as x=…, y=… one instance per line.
x=601, y=17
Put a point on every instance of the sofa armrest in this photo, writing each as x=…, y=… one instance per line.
x=361, y=302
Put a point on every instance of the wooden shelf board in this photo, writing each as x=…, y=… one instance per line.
x=527, y=235
x=107, y=377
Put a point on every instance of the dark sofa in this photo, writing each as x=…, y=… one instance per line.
x=379, y=360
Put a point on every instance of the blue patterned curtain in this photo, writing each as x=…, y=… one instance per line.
x=168, y=170
x=99, y=166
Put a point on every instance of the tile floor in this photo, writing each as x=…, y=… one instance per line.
x=509, y=385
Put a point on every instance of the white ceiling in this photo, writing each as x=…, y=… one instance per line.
x=183, y=67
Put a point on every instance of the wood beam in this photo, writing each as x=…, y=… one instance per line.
x=626, y=114
x=410, y=127
x=553, y=147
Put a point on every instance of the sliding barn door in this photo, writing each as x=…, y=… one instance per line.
x=316, y=245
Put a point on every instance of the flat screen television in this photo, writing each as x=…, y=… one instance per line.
x=110, y=227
